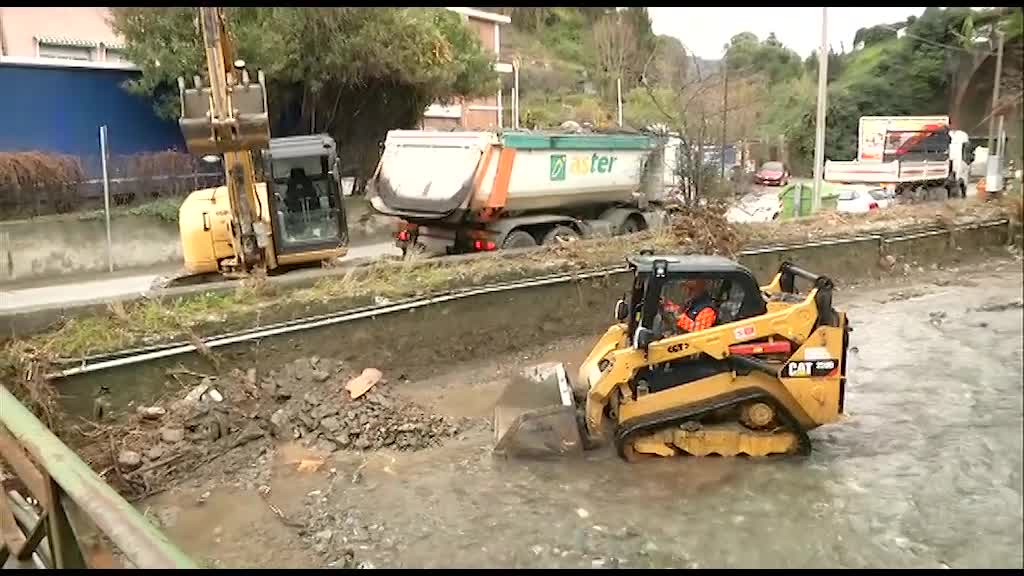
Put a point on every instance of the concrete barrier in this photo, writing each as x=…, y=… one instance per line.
x=55, y=246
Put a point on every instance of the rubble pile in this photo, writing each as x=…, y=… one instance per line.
x=311, y=399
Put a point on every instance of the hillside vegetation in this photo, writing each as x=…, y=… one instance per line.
x=571, y=57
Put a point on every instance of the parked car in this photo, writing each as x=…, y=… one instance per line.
x=859, y=200
x=772, y=173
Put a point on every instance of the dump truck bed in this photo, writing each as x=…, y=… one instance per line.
x=442, y=175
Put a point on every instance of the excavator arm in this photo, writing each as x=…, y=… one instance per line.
x=229, y=117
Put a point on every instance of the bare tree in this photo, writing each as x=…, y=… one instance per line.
x=616, y=46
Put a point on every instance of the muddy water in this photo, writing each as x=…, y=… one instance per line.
x=924, y=472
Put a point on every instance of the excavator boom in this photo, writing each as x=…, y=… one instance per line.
x=229, y=117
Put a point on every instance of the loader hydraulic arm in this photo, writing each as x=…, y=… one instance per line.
x=229, y=117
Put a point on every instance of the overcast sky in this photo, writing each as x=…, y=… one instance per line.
x=704, y=31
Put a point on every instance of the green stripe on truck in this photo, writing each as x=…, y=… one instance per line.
x=577, y=141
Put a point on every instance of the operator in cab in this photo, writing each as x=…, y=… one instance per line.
x=698, y=312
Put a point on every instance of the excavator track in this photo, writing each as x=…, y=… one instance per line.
x=666, y=433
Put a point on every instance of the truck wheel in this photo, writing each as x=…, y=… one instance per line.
x=519, y=239
x=630, y=226
x=564, y=232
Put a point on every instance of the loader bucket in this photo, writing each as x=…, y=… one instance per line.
x=535, y=417
x=248, y=129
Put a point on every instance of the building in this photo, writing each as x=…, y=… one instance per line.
x=484, y=113
x=63, y=73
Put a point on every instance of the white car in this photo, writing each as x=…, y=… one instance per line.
x=860, y=200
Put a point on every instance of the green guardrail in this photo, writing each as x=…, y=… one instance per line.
x=57, y=478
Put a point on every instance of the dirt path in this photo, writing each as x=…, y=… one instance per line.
x=925, y=472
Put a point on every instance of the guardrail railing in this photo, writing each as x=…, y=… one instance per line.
x=47, y=507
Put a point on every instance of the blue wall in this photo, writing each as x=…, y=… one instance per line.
x=61, y=109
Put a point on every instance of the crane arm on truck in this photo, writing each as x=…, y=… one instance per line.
x=229, y=117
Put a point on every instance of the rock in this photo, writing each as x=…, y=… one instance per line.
x=252, y=431
x=325, y=445
x=281, y=393
x=323, y=411
x=650, y=547
x=582, y=513
x=324, y=536
x=155, y=453
x=196, y=393
x=214, y=395
x=320, y=376
x=250, y=376
x=151, y=412
x=314, y=361
x=203, y=497
x=362, y=443
x=330, y=424
x=361, y=384
x=342, y=440
x=172, y=435
x=280, y=424
x=128, y=459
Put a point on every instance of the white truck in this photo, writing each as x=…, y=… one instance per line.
x=913, y=156
x=461, y=192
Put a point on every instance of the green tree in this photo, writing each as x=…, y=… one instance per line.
x=350, y=72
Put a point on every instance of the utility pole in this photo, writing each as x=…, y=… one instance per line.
x=819, y=137
x=992, y=171
x=725, y=113
x=618, y=89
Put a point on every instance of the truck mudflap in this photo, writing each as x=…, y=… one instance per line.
x=536, y=415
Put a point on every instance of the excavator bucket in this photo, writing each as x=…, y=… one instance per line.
x=535, y=417
x=248, y=127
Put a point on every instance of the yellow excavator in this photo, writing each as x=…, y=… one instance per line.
x=770, y=368
x=295, y=216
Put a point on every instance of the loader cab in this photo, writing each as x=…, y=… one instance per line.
x=303, y=189
x=731, y=288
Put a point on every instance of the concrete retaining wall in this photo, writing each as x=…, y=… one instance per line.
x=52, y=247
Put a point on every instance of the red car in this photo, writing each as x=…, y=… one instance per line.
x=772, y=173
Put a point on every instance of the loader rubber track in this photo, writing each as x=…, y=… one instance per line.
x=669, y=418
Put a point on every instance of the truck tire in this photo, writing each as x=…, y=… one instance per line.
x=631, y=226
x=519, y=239
x=551, y=238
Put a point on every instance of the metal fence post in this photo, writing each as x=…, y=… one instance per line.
x=106, y=194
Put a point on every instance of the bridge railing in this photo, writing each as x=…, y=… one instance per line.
x=46, y=510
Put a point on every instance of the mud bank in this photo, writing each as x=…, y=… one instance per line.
x=421, y=341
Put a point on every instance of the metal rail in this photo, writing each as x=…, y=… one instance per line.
x=154, y=352
x=68, y=491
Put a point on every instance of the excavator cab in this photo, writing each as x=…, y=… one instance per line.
x=302, y=175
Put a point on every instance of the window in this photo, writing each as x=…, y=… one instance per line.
x=115, y=55
x=47, y=50
x=847, y=195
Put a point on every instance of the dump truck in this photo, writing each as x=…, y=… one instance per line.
x=913, y=156
x=463, y=192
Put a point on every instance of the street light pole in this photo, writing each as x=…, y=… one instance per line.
x=819, y=137
x=992, y=169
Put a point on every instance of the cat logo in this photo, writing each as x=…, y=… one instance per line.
x=799, y=369
x=810, y=368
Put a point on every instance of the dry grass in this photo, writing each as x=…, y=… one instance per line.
x=255, y=300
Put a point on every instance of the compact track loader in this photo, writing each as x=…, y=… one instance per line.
x=770, y=368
